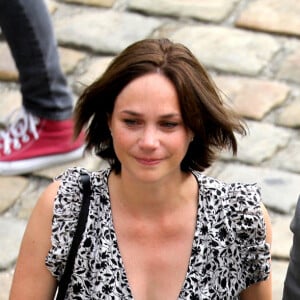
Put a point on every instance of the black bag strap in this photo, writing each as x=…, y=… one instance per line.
x=65, y=279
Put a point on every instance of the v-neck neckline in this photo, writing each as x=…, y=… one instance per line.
x=115, y=245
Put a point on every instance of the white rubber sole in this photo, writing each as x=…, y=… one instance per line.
x=34, y=164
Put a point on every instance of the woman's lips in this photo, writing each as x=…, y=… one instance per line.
x=148, y=161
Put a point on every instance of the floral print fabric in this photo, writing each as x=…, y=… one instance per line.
x=229, y=251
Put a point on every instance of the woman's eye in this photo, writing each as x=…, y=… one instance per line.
x=131, y=122
x=169, y=124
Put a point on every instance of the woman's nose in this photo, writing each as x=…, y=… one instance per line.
x=149, y=138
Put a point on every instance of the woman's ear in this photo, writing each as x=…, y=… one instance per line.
x=191, y=135
x=108, y=117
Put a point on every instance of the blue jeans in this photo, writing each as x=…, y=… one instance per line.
x=27, y=27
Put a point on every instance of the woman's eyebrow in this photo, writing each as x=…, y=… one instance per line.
x=164, y=116
x=130, y=112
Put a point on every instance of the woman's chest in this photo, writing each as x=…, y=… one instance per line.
x=136, y=263
x=156, y=263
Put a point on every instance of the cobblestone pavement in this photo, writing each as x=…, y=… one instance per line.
x=251, y=48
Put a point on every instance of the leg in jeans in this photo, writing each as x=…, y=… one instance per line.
x=27, y=27
x=41, y=133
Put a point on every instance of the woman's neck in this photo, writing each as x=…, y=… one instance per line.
x=152, y=199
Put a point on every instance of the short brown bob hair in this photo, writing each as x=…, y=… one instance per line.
x=203, y=111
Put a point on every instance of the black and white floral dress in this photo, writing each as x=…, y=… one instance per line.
x=229, y=251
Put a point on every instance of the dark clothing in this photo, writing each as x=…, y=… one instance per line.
x=292, y=281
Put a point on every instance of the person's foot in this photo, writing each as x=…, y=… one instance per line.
x=30, y=143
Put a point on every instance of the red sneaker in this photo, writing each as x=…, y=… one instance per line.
x=29, y=144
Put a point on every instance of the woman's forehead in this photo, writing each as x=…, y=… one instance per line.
x=152, y=91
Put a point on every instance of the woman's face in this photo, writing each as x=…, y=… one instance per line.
x=149, y=136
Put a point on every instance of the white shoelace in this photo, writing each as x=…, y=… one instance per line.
x=20, y=124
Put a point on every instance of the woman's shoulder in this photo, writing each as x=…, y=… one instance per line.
x=234, y=211
x=233, y=190
x=67, y=205
x=73, y=174
x=69, y=193
x=238, y=201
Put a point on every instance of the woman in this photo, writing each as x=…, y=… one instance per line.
x=157, y=227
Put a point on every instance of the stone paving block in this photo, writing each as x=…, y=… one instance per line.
x=281, y=235
x=11, y=234
x=289, y=158
x=10, y=190
x=216, y=168
x=290, y=114
x=94, y=70
x=252, y=98
x=5, y=284
x=8, y=70
x=90, y=162
x=290, y=68
x=51, y=6
x=70, y=58
x=104, y=3
x=272, y=15
x=279, y=269
x=29, y=198
x=104, y=31
x=227, y=49
x=261, y=143
x=9, y=102
x=214, y=11
x=279, y=189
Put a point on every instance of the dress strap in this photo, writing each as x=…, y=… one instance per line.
x=84, y=211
